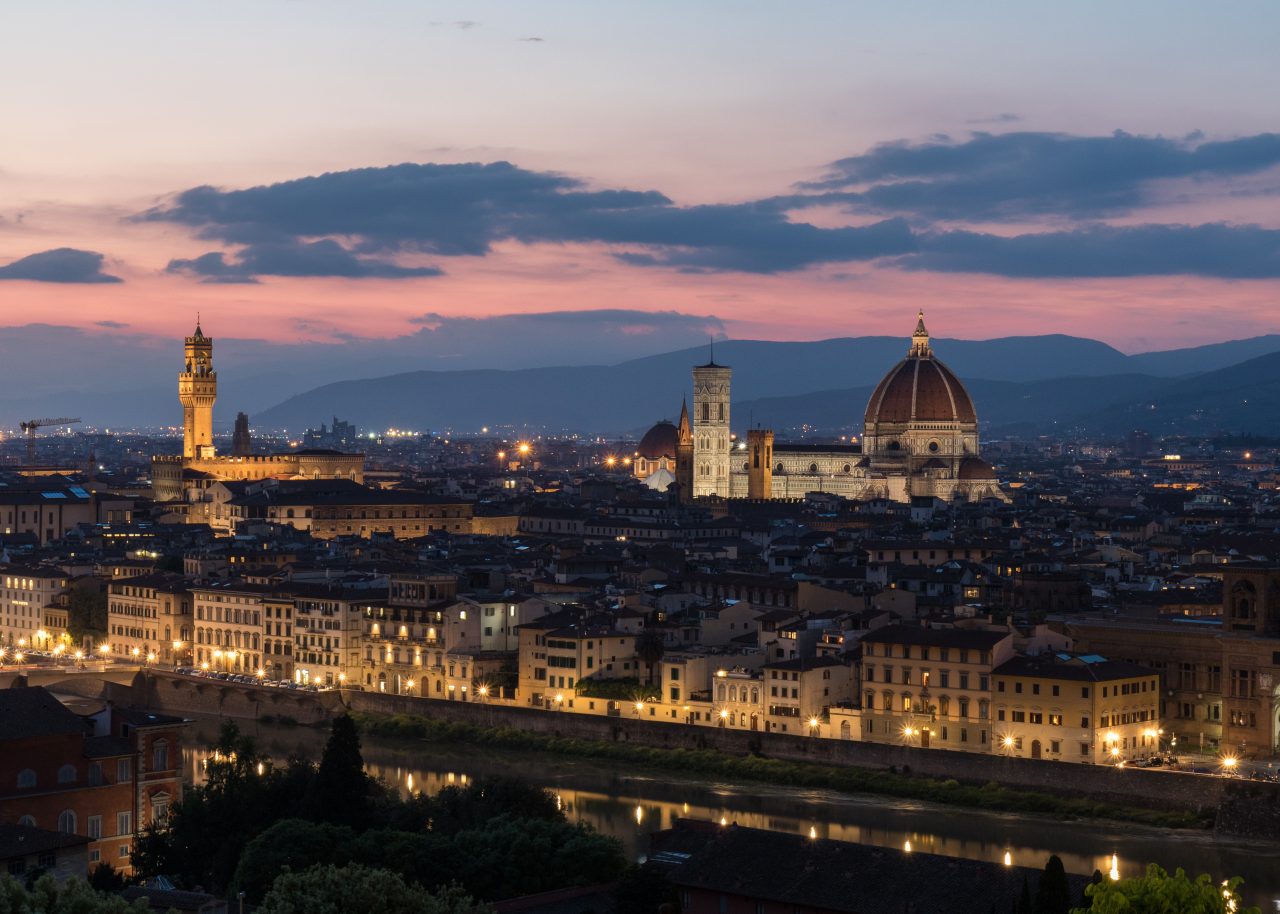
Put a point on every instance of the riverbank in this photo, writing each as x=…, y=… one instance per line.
x=899, y=783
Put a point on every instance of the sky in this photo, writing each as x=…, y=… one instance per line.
x=335, y=171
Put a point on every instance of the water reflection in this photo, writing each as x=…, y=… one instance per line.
x=630, y=806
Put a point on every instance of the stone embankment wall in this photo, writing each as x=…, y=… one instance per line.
x=1242, y=808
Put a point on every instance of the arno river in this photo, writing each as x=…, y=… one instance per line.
x=629, y=805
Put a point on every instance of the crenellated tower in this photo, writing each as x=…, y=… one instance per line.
x=197, y=389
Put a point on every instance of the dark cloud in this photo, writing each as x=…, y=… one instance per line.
x=317, y=258
x=361, y=223
x=465, y=209
x=462, y=24
x=533, y=38
x=111, y=325
x=1222, y=251
x=1017, y=175
x=59, y=265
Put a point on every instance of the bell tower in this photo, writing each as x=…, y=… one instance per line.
x=197, y=389
x=711, y=441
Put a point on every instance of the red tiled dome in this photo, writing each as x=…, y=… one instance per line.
x=659, y=441
x=975, y=468
x=920, y=389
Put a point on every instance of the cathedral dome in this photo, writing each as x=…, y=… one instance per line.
x=920, y=389
x=659, y=441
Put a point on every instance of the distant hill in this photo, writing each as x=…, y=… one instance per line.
x=276, y=385
x=1240, y=398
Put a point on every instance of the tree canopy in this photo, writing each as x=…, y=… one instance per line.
x=343, y=890
x=1157, y=892
x=74, y=896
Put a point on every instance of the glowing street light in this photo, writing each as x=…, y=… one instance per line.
x=1229, y=763
x=104, y=649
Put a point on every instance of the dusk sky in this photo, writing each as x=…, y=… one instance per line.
x=799, y=170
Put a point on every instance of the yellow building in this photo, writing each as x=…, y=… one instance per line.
x=27, y=591
x=229, y=627
x=931, y=686
x=150, y=617
x=186, y=476
x=799, y=692
x=558, y=651
x=1073, y=708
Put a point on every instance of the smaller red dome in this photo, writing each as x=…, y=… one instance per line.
x=975, y=468
x=659, y=441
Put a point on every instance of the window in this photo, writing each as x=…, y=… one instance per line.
x=67, y=821
x=159, y=809
x=26, y=779
x=28, y=821
x=124, y=770
x=160, y=755
x=124, y=823
x=93, y=826
x=67, y=774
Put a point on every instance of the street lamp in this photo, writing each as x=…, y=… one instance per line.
x=813, y=726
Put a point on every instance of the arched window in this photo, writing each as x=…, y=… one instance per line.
x=733, y=693
x=67, y=821
x=720, y=692
x=67, y=774
x=845, y=730
x=28, y=821
x=755, y=695
x=944, y=705
x=26, y=779
x=906, y=701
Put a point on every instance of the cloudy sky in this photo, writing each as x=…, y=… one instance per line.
x=338, y=170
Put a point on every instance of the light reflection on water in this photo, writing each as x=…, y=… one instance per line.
x=631, y=805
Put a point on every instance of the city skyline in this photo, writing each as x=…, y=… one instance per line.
x=465, y=164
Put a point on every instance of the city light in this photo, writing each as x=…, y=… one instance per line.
x=1229, y=762
x=1008, y=859
x=1114, y=871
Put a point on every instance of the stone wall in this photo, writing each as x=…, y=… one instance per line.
x=1133, y=787
x=1152, y=788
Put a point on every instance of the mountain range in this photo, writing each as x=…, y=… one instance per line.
x=1034, y=383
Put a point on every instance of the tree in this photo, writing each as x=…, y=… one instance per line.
x=104, y=878
x=650, y=648
x=74, y=896
x=507, y=858
x=644, y=890
x=341, y=791
x=355, y=888
x=1053, y=893
x=456, y=809
x=290, y=844
x=86, y=611
x=1159, y=893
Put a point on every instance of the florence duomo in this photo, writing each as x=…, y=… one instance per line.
x=920, y=438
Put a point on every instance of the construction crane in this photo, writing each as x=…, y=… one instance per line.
x=30, y=426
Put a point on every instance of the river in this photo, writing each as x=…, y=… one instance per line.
x=629, y=805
